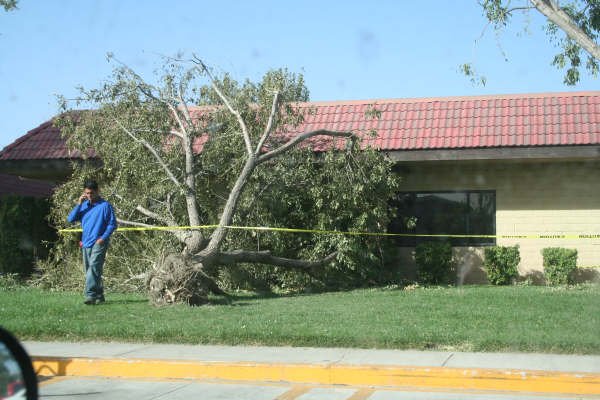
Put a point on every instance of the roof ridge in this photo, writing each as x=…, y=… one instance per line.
x=456, y=98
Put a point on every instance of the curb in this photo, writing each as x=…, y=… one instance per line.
x=327, y=374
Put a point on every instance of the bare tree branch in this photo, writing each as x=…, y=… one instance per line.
x=154, y=215
x=525, y=8
x=170, y=205
x=190, y=193
x=172, y=132
x=178, y=134
x=265, y=257
x=300, y=138
x=223, y=98
x=187, y=140
x=230, y=207
x=190, y=179
x=182, y=236
x=132, y=223
x=185, y=108
x=177, y=118
x=269, y=126
x=151, y=150
x=143, y=88
x=554, y=13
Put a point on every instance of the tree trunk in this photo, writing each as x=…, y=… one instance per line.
x=230, y=206
x=175, y=279
x=265, y=257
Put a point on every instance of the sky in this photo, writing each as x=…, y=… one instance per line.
x=346, y=49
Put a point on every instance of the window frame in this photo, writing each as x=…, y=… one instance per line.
x=412, y=241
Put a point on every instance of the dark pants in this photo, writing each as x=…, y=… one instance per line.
x=93, y=263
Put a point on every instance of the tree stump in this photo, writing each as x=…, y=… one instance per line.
x=174, y=280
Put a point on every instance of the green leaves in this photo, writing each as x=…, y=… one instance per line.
x=559, y=265
x=8, y=5
x=584, y=15
x=23, y=231
x=501, y=264
x=435, y=263
x=468, y=70
x=337, y=191
x=496, y=11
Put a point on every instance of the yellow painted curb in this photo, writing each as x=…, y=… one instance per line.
x=329, y=374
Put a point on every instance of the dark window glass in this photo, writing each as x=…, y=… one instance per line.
x=445, y=213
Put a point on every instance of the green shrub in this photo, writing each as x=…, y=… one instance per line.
x=10, y=281
x=435, y=264
x=559, y=265
x=24, y=233
x=501, y=264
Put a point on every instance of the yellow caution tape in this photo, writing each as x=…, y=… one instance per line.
x=355, y=233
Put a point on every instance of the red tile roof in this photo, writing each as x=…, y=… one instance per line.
x=552, y=119
x=10, y=184
x=41, y=143
x=546, y=119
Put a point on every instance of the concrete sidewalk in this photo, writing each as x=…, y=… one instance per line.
x=540, y=373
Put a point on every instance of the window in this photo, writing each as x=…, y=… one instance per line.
x=439, y=213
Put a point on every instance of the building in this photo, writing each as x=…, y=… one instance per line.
x=497, y=167
x=40, y=154
x=18, y=186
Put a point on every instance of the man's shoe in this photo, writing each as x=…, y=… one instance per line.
x=89, y=301
x=99, y=301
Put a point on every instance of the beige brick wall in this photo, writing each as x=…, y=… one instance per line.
x=534, y=198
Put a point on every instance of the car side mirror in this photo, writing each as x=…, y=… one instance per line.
x=17, y=378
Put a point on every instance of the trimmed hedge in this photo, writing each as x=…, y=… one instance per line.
x=559, y=265
x=23, y=231
x=501, y=264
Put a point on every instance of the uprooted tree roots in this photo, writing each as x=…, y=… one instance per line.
x=174, y=280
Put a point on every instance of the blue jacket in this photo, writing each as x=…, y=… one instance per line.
x=97, y=221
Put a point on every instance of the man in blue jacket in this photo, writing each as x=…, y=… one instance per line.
x=98, y=222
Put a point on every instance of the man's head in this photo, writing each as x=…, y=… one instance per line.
x=90, y=190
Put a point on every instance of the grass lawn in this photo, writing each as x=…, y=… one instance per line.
x=470, y=318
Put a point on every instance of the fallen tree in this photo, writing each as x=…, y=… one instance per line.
x=195, y=149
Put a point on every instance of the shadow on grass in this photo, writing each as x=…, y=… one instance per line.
x=245, y=298
x=125, y=301
x=242, y=298
x=236, y=299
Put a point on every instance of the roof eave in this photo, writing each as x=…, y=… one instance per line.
x=52, y=170
x=530, y=153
